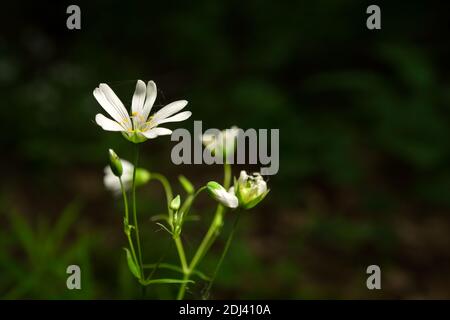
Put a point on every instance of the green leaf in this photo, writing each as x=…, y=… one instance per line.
x=65, y=222
x=132, y=264
x=175, y=268
x=160, y=217
x=186, y=184
x=164, y=227
x=165, y=281
x=24, y=233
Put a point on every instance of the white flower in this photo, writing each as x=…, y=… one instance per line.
x=223, y=143
x=112, y=182
x=227, y=198
x=250, y=190
x=138, y=126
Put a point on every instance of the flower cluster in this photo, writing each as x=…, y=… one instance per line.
x=122, y=176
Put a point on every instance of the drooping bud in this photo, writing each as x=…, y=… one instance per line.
x=217, y=192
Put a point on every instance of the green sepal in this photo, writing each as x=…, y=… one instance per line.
x=255, y=201
x=134, y=137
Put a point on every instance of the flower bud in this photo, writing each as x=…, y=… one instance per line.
x=142, y=176
x=115, y=163
x=227, y=198
x=250, y=190
x=175, y=203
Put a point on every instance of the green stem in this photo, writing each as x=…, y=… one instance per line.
x=125, y=201
x=226, y=176
x=210, y=234
x=166, y=185
x=209, y=237
x=184, y=210
x=136, y=227
x=181, y=253
x=224, y=253
x=182, y=290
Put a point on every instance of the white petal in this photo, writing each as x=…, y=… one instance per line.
x=153, y=133
x=110, y=181
x=149, y=100
x=228, y=199
x=137, y=102
x=169, y=110
x=107, y=106
x=176, y=118
x=262, y=187
x=243, y=177
x=233, y=201
x=108, y=124
x=115, y=101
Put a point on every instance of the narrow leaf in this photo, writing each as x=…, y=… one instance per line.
x=131, y=264
x=165, y=281
x=186, y=184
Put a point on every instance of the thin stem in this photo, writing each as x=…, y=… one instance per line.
x=224, y=253
x=210, y=234
x=215, y=225
x=184, y=210
x=226, y=176
x=182, y=290
x=181, y=254
x=166, y=185
x=125, y=201
x=136, y=227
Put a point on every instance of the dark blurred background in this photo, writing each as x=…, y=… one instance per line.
x=364, y=154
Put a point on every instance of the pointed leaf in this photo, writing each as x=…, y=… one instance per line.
x=186, y=184
x=132, y=265
x=165, y=281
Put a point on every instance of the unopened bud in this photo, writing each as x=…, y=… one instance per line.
x=175, y=203
x=115, y=163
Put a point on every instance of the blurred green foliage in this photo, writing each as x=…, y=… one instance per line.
x=34, y=257
x=363, y=118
